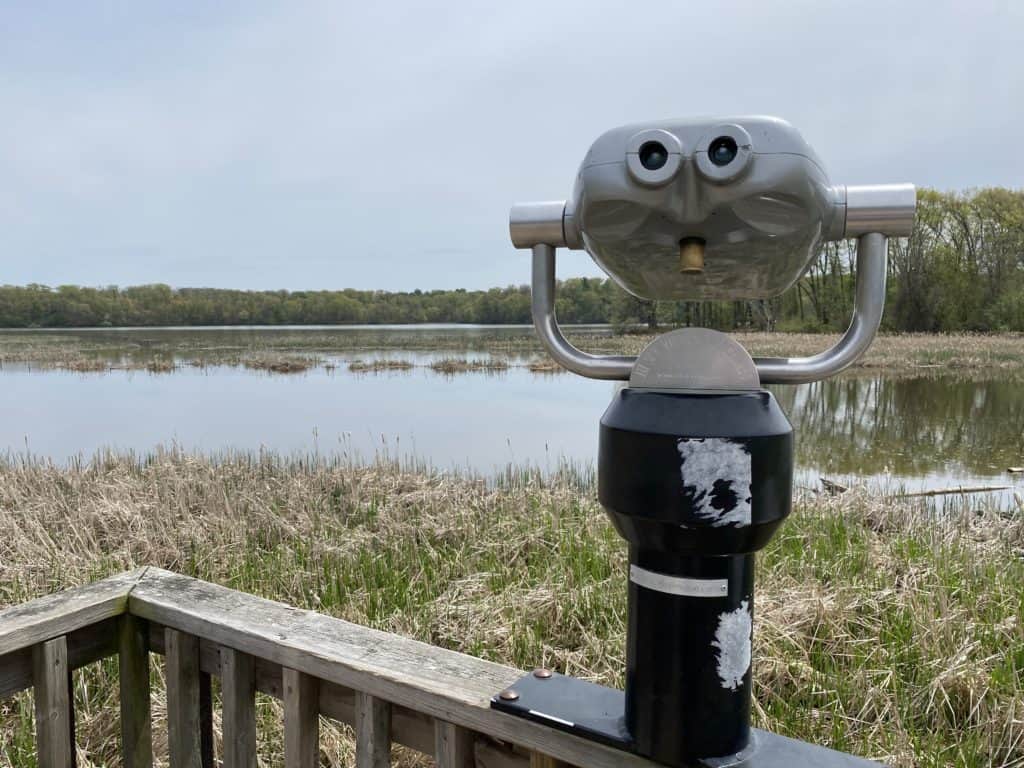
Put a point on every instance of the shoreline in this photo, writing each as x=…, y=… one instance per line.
x=292, y=351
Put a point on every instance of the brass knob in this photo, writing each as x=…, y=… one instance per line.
x=691, y=255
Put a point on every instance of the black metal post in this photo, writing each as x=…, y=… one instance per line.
x=688, y=683
x=696, y=483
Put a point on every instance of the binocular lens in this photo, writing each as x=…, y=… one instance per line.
x=653, y=155
x=723, y=150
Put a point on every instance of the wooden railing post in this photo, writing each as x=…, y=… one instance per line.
x=51, y=678
x=373, y=732
x=133, y=666
x=185, y=723
x=238, y=694
x=453, y=746
x=301, y=719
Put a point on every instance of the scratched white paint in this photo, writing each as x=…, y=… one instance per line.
x=732, y=639
x=707, y=460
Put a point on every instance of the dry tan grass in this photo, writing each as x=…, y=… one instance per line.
x=452, y=365
x=544, y=365
x=921, y=353
x=85, y=365
x=280, y=365
x=880, y=629
x=966, y=355
x=381, y=364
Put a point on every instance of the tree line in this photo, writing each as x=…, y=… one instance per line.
x=962, y=269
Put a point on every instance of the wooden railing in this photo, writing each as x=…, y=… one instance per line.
x=389, y=688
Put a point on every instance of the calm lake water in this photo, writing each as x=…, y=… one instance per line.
x=915, y=433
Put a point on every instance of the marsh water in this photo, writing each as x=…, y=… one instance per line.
x=903, y=433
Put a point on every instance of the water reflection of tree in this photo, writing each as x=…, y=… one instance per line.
x=866, y=425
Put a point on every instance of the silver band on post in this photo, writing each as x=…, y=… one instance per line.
x=678, y=585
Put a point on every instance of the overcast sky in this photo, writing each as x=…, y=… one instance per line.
x=374, y=144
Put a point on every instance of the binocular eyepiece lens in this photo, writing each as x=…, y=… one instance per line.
x=723, y=150
x=653, y=155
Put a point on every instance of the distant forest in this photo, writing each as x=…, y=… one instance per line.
x=961, y=270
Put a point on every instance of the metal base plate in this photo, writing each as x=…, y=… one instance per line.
x=597, y=713
x=593, y=711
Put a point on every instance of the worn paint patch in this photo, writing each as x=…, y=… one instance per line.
x=732, y=639
x=718, y=471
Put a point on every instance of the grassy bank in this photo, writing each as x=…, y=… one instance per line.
x=879, y=629
x=287, y=351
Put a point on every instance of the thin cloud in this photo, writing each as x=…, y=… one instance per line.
x=380, y=146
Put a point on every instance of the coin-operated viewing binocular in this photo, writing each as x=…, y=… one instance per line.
x=695, y=462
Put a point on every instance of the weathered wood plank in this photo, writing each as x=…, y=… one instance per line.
x=25, y=625
x=373, y=732
x=453, y=746
x=133, y=670
x=206, y=720
x=490, y=755
x=16, y=672
x=409, y=728
x=85, y=646
x=439, y=683
x=301, y=719
x=538, y=760
x=184, y=726
x=51, y=678
x=238, y=699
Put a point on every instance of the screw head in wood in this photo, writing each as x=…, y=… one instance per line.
x=508, y=695
x=543, y=673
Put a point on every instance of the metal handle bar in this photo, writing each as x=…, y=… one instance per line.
x=867, y=314
x=564, y=353
x=872, y=214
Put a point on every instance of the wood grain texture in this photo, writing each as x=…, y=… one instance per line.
x=539, y=760
x=85, y=646
x=22, y=626
x=51, y=678
x=490, y=755
x=205, y=720
x=238, y=699
x=453, y=746
x=373, y=731
x=301, y=719
x=408, y=727
x=133, y=670
x=442, y=684
x=184, y=739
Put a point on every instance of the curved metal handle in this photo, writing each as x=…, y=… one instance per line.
x=867, y=315
x=564, y=353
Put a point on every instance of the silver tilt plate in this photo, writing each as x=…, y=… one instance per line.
x=695, y=359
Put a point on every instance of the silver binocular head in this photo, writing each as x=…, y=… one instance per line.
x=720, y=208
x=732, y=208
